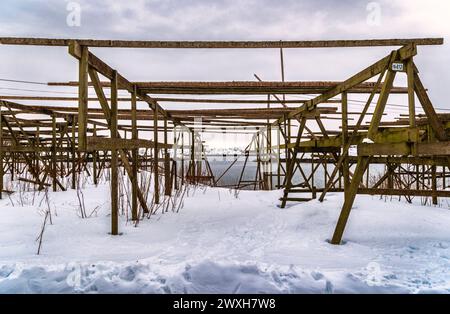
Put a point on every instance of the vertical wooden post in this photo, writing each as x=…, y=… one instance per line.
x=1, y=154
x=12, y=166
x=174, y=164
x=114, y=161
x=434, y=184
x=155, y=154
x=38, y=135
x=289, y=136
x=192, y=166
x=94, y=159
x=279, y=157
x=444, y=177
x=83, y=98
x=54, y=152
x=135, y=155
x=182, y=158
x=61, y=154
x=312, y=171
x=167, y=180
x=345, y=166
x=269, y=156
x=417, y=177
x=411, y=95
x=74, y=170
x=390, y=176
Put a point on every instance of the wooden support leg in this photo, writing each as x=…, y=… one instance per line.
x=434, y=184
x=114, y=161
x=83, y=85
x=73, y=156
x=167, y=179
x=54, y=153
x=135, y=156
x=155, y=155
x=94, y=160
x=1, y=154
x=349, y=199
x=182, y=158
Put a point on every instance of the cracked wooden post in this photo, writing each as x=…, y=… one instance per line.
x=135, y=156
x=114, y=161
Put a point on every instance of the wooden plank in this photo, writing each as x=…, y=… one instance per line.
x=434, y=149
x=399, y=149
x=404, y=192
x=222, y=44
x=102, y=143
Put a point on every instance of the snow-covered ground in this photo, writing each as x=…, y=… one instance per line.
x=221, y=241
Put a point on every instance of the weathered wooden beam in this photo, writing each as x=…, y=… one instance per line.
x=243, y=87
x=221, y=44
x=102, y=143
x=411, y=93
x=82, y=97
x=1, y=154
x=404, y=149
x=404, y=192
x=53, y=157
x=135, y=156
x=155, y=156
x=158, y=99
x=114, y=163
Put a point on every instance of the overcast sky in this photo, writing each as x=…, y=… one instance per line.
x=224, y=20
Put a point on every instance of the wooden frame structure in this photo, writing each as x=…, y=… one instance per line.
x=414, y=149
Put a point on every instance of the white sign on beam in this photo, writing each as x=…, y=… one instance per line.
x=398, y=67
